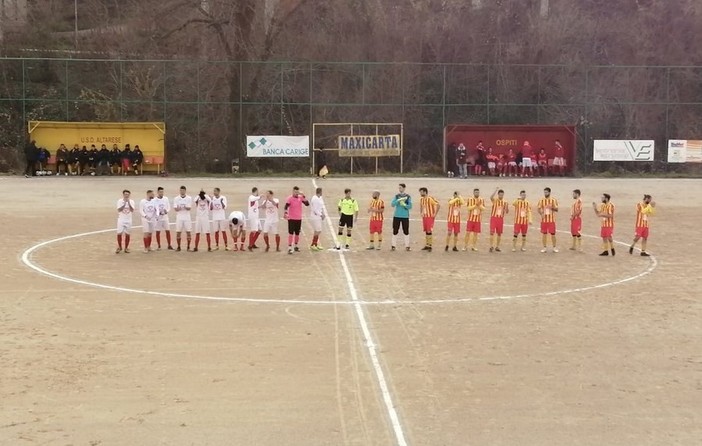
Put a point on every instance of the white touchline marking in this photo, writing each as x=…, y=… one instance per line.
x=367, y=336
x=26, y=260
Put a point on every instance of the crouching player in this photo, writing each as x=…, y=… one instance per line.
x=237, y=229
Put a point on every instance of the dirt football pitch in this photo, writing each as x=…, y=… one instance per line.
x=357, y=348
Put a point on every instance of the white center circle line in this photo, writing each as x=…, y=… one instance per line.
x=26, y=259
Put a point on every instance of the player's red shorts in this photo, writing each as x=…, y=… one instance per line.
x=428, y=224
x=521, y=228
x=576, y=225
x=473, y=226
x=497, y=225
x=641, y=232
x=376, y=226
x=548, y=227
x=606, y=232
x=454, y=228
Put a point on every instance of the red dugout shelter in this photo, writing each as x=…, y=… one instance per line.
x=504, y=137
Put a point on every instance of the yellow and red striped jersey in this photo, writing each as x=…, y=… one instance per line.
x=643, y=211
x=522, y=212
x=428, y=206
x=475, y=208
x=607, y=208
x=454, y=210
x=546, y=206
x=499, y=208
x=576, y=209
x=376, y=207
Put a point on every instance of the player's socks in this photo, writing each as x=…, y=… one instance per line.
x=393, y=242
x=252, y=239
x=644, y=243
x=178, y=240
x=168, y=238
x=430, y=240
x=189, y=240
x=297, y=240
x=217, y=238
x=158, y=239
x=265, y=239
x=498, y=239
x=119, y=241
x=197, y=241
x=209, y=241
x=348, y=239
x=575, y=244
x=448, y=241
x=224, y=239
x=277, y=242
x=290, y=240
x=466, y=241
x=407, y=241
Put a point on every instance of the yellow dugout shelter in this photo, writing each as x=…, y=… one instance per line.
x=149, y=136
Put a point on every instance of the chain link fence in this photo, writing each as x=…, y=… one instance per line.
x=210, y=106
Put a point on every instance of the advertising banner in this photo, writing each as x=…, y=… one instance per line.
x=277, y=146
x=684, y=151
x=623, y=150
x=370, y=145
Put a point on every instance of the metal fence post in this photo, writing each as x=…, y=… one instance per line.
x=443, y=121
x=487, y=96
x=65, y=79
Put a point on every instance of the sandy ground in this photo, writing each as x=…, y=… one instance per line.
x=611, y=365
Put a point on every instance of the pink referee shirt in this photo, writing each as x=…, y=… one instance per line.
x=295, y=207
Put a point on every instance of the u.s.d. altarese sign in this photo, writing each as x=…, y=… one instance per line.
x=370, y=145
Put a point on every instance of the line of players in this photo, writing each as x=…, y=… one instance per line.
x=155, y=211
x=212, y=215
x=547, y=208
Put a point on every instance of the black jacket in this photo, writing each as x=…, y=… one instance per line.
x=31, y=152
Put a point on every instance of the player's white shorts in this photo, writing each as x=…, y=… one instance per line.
x=270, y=227
x=162, y=224
x=512, y=163
x=148, y=226
x=526, y=162
x=220, y=225
x=253, y=224
x=124, y=227
x=491, y=165
x=202, y=226
x=316, y=224
x=184, y=225
x=559, y=161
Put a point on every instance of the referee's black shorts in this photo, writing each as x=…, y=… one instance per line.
x=294, y=227
x=346, y=220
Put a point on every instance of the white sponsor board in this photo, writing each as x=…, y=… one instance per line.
x=277, y=146
x=623, y=150
x=684, y=151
